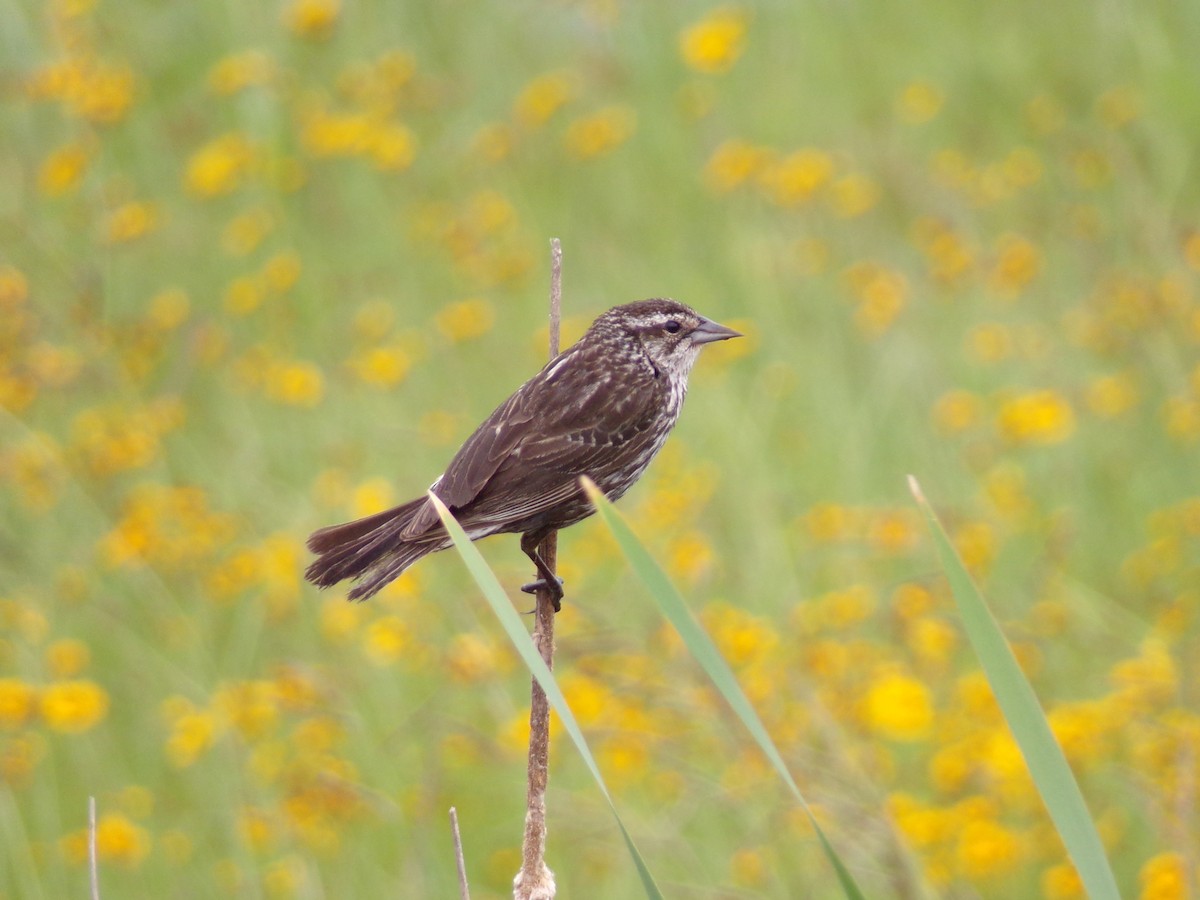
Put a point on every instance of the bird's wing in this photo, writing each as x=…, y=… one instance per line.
x=597, y=430
x=531, y=450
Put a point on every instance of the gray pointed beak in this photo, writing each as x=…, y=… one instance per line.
x=708, y=331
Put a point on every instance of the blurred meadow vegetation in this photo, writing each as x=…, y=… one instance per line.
x=264, y=266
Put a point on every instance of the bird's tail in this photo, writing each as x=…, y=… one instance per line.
x=370, y=549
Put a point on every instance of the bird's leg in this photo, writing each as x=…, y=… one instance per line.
x=548, y=580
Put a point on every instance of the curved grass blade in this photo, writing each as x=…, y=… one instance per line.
x=710, y=659
x=515, y=628
x=1043, y=755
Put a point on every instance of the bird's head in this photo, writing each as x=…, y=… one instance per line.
x=669, y=333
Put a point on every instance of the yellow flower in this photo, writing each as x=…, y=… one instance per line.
x=72, y=707
x=239, y=71
x=19, y=756
x=219, y=167
x=295, y=383
x=120, y=840
x=1164, y=877
x=794, y=179
x=17, y=703
x=169, y=527
x=386, y=640
x=733, y=163
x=257, y=829
x=1036, y=417
x=852, y=195
x=1017, y=263
x=466, y=320
x=1080, y=729
x=990, y=342
x=987, y=849
x=340, y=620
x=243, y=295
x=67, y=657
x=544, y=96
x=748, y=868
x=600, y=133
x=1061, y=882
x=932, y=641
x=882, y=293
x=36, y=468
x=1181, y=417
x=715, y=43
x=1022, y=167
x=1004, y=487
x=281, y=271
x=1119, y=106
x=1148, y=680
x=625, y=757
x=948, y=255
x=130, y=221
x=919, y=102
x=192, y=733
x=249, y=707
x=845, y=608
x=893, y=531
x=830, y=522
x=911, y=601
x=98, y=92
x=392, y=147
x=63, y=169
x=312, y=19
x=589, y=698
x=1191, y=250
x=332, y=134
x=14, y=287
x=285, y=877
x=691, y=557
x=247, y=230
x=382, y=367
x=67, y=10
x=976, y=544
x=743, y=639
x=950, y=768
x=898, y=707
x=471, y=657
x=371, y=497
x=957, y=410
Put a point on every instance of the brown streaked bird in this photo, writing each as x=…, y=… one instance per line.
x=602, y=408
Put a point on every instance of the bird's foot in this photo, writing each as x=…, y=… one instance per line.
x=556, y=591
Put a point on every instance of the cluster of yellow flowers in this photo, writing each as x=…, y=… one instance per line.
x=188, y=371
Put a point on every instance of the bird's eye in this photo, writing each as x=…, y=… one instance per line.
x=672, y=327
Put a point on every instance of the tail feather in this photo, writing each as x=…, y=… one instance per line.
x=369, y=548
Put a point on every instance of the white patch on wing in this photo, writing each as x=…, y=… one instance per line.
x=554, y=368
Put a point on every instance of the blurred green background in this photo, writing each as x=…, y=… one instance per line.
x=263, y=267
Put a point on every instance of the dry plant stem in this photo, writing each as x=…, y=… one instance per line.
x=93, y=869
x=464, y=892
x=535, y=881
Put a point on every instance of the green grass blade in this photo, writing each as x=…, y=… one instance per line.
x=1043, y=755
x=515, y=628
x=710, y=659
